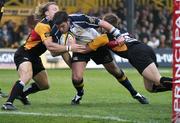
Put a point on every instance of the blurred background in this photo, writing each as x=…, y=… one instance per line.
x=150, y=21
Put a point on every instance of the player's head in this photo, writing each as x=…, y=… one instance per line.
x=61, y=19
x=112, y=19
x=46, y=10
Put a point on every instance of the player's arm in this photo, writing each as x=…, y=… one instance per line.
x=57, y=48
x=43, y=31
x=103, y=39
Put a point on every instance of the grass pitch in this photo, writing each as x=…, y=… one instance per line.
x=105, y=100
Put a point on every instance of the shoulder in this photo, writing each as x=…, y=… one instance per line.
x=43, y=24
x=77, y=17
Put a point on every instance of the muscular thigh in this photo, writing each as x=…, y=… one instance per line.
x=25, y=71
x=35, y=62
x=152, y=73
x=23, y=65
x=41, y=79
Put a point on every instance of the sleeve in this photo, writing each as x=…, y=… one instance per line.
x=98, y=42
x=43, y=30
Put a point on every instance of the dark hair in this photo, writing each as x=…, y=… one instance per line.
x=60, y=17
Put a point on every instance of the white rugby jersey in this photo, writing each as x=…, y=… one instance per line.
x=83, y=27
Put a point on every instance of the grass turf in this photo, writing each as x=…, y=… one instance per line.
x=105, y=100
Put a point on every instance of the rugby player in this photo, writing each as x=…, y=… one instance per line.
x=140, y=56
x=27, y=57
x=83, y=27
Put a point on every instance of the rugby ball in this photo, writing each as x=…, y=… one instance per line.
x=67, y=39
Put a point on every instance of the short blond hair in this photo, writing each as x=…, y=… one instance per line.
x=41, y=9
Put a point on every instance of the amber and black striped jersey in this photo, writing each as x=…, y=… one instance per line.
x=43, y=30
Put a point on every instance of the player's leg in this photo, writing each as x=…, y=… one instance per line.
x=40, y=83
x=40, y=80
x=153, y=80
x=103, y=56
x=77, y=80
x=143, y=58
x=114, y=70
x=152, y=87
x=79, y=62
x=25, y=74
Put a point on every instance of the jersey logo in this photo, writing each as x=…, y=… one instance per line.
x=92, y=19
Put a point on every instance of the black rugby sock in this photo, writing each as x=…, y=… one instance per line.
x=165, y=85
x=159, y=88
x=166, y=82
x=16, y=91
x=126, y=83
x=32, y=89
x=79, y=87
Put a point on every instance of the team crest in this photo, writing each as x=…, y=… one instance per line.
x=92, y=19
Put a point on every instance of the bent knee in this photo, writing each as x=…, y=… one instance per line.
x=77, y=78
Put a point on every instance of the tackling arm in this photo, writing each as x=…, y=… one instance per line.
x=57, y=48
x=103, y=39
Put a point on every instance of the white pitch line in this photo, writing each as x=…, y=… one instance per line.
x=65, y=115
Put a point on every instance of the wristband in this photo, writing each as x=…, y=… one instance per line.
x=115, y=32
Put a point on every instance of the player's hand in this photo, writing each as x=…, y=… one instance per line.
x=87, y=50
x=120, y=40
x=78, y=48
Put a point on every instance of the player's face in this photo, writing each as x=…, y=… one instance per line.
x=52, y=9
x=64, y=27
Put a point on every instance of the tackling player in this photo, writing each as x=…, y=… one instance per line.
x=83, y=28
x=140, y=56
x=27, y=57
